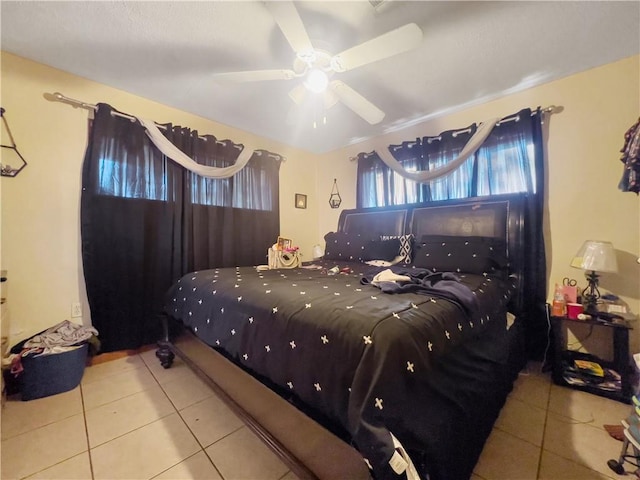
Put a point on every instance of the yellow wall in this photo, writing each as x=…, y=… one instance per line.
x=583, y=168
x=40, y=207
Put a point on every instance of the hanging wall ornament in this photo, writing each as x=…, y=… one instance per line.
x=5, y=169
x=334, y=199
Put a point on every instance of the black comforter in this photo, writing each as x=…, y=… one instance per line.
x=374, y=361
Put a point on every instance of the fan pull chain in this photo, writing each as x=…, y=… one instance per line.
x=316, y=114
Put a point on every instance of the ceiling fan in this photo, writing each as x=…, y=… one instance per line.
x=316, y=67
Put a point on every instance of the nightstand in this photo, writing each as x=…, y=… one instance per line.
x=563, y=359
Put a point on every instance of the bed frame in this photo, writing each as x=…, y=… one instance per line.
x=309, y=449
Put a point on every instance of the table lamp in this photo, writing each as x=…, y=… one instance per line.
x=594, y=256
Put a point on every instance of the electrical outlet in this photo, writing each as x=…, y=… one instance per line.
x=76, y=310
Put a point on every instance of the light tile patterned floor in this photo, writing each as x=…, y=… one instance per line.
x=131, y=419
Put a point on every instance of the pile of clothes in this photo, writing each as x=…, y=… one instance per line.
x=60, y=338
x=630, y=181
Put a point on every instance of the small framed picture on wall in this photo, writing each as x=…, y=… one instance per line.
x=301, y=200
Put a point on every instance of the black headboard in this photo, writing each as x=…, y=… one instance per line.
x=499, y=216
x=382, y=221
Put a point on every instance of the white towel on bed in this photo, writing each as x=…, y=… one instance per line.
x=389, y=276
x=384, y=263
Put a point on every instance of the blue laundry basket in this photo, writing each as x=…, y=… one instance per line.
x=46, y=375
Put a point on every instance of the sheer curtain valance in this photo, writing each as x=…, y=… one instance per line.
x=424, y=176
x=170, y=150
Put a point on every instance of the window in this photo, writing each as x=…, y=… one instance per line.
x=506, y=169
x=121, y=179
x=145, y=175
x=506, y=163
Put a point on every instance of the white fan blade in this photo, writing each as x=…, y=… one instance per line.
x=254, y=76
x=289, y=21
x=357, y=102
x=298, y=94
x=386, y=45
x=329, y=99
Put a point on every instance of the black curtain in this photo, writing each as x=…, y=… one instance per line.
x=146, y=221
x=535, y=259
x=372, y=187
x=511, y=160
x=380, y=186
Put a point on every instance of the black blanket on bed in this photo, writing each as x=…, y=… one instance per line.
x=369, y=360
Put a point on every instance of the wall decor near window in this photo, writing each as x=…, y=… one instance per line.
x=334, y=199
x=5, y=169
x=301, y=200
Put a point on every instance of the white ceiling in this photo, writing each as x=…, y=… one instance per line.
x=168, y=52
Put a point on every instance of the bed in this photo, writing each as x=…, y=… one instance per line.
x=347, y=373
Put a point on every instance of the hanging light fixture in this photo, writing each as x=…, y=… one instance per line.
x=316, y=81
x=7, y=170
x=334, y=199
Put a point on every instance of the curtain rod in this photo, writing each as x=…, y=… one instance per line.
x=549, y=109
x=58, y=97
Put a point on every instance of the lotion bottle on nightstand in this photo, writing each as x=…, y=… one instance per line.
x=559, y=306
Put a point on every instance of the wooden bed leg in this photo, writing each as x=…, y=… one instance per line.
x=164, y=352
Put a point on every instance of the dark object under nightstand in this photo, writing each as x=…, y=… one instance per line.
x=563, y=360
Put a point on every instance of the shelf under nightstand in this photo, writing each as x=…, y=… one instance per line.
x=620, y=363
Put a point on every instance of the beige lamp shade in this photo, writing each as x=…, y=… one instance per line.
x=597, y=256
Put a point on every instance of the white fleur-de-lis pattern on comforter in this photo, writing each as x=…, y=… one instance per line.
x=348, y=350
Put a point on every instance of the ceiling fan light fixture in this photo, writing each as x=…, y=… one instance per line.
x=316, y=81
x=316, y=66
x=309, y=56
x=336, y=64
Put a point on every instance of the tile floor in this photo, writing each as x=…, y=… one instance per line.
x=131, y=419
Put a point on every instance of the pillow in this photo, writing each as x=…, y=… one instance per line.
x=406, y=246
x=381, y=250
x=347, y=247
x=443, y=253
